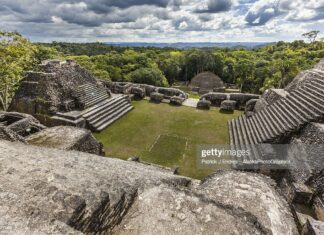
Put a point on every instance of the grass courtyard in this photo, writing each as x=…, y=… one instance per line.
x=166, y=135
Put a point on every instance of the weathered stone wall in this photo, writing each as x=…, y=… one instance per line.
x=126, y=88
x=216, y=98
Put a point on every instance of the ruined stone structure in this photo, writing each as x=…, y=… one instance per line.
x=50, y=191
x=156, y=97
x=203, y=104
x=293, y=116
x=207, y=82
x=216, y=98
x=288, y=111
x=228, y=106
x=17, y=126
x=139, y=91
x=20, y=127
x=64, y=93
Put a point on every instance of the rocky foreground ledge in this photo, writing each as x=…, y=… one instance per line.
x=50, y=191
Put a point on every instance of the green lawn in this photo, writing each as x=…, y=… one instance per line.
x=166, y=135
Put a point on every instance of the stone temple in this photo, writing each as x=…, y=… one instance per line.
x=207, y=82
x=64, y=93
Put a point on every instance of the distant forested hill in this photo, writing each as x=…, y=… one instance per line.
x=189, y=45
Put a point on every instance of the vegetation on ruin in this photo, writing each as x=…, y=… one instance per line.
x=166, y=135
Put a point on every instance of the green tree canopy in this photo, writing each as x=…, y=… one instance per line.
x=17, y=55
x=150, y=76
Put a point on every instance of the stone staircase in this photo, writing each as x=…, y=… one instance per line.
x=104, y=114
x=90, y=94
x=287, y=115
x=100, y=115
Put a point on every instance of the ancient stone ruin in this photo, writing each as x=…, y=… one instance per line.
x=207, y=82
x=291, y=116
x=16, y=126
x=47, y=186
x=285, y=111
x=19, y=127
x=140, y=91
x=64, y=93
x=241, y=99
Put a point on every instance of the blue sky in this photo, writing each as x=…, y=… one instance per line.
x=162, y=20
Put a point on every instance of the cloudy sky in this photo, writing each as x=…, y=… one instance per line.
x=162, y=20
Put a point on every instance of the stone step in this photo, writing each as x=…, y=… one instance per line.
x=299, y=107
x=283, y=121
x=115, y=118
x=85, y=93
x=88, y=113
x=90, y=90
x=251, y=132
x=320, y=80
x=308, y=99
x=243, y=131
x=277, y=118
x=235, y=134
x=267, y=125
x=247, y=130
x=317, y=101
x=105, y=112
x=104, y=118
x=255, y=129
x=89, y=86
x=313, y=92
x=88, y=96
x=94, y=101
x=318, y=83
x=314, y=89
x=284, y=113
x=239, y=132
x=295, y=109
x=273, y=122
x=295, y=114
x=303, y=106
x=263, y=133
x=106, y=109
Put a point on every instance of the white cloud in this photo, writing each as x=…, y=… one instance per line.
x=162, y=20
